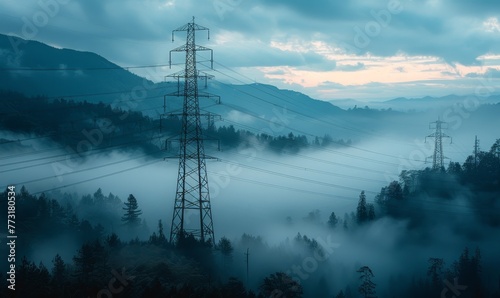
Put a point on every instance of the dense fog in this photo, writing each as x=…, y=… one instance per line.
x=268, y=202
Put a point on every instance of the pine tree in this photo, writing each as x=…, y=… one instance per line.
x=98, y=197
x=435, y=272
x=468, y=269
x=362, y=210
x=226, y=248
x=59, y=282
x=100, y=255
x=59, y=270
x=153, y=239
x=84, y=264
x=495, y=148
x=113, y=240
x=43, y=209
x=367, y=287
x=132, y=212
x=57, y=213
x=161, y=235
x=327, y=140
x=333, y=220
x=42, y=281
x=313, y=216
x=280, y=284
x=371, y=212
x=91, y=264
x=316, y=142
x=24, y=194
x=346, y=220
x=234, y=288
x=113, y=200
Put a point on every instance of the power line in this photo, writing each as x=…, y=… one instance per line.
x=468, y=209
x=344, y=153
x=67, y=156
x=362, y=149
x=331, y=150
x=86, y=119
x=79, y=171
x=261, y=170
x=86, y=68
x=350, y=166
x=301, y=114
x=272, y=185
x=279, y=96
x=270, y=172
x=311, y=181
x=99, y=177
x=308, y=169
x=99, y=150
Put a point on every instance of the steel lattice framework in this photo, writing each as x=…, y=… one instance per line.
x=438, y=135
x=192, y=183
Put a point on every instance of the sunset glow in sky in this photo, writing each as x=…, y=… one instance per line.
x=367, y=50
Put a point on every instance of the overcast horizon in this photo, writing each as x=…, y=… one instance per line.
x=369, y=52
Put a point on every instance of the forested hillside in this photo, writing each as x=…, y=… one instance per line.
x=109, y=233
x=85, y=126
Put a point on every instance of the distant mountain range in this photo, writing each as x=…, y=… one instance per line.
x=34, y=68
x=417, y=104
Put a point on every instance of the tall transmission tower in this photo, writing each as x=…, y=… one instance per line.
x=192, y=210
x=438, y=135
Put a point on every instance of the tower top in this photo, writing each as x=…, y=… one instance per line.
x=190, y=27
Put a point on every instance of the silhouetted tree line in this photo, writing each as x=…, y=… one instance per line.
x=154, y=267
x=106, y=264
x=42, y=218
x=85, y=126
x=230, y=137
x=477, y=179
x=365, y=213
x=462, y=278
x=89, y=272
x=79, y=126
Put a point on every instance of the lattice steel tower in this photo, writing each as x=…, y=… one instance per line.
x=476, y=152
x=438, y=135
x=192, y=211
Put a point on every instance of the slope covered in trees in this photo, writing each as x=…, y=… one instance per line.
x=475, y=183
x=104, y=247
x=83, y=126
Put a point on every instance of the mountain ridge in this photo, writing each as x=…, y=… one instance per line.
x=257, y=107
x=416, y=103
x=69, y=75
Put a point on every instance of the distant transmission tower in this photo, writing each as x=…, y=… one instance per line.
x=438, y=135
x=476, y=152
x=192, y=211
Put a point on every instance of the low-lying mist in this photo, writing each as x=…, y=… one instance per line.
x=274, y=197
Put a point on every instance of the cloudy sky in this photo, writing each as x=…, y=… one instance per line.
x=328, y=49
